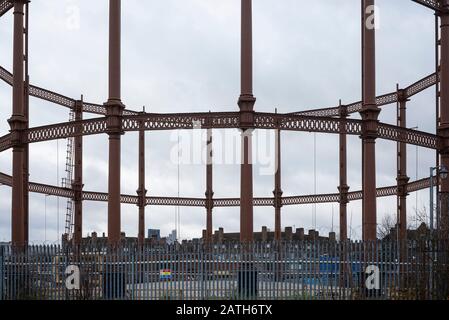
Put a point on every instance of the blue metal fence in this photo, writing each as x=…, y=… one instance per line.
x=294, y=270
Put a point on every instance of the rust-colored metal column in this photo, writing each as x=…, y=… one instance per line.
x=443, y=129
x=78, y=185
x=277, y=188
x=141, y=192
x=402, y=177
x=246, y=103
x=17, y=124
x=209, y=187
x=369, y=113
x=343, y=187
x=114, y=113
x=26, y=162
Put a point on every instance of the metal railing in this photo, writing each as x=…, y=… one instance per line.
x=323, y=270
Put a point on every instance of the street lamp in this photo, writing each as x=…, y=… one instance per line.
x=442, y=172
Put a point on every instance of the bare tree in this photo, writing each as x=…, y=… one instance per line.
x=384, y=228
x=420, y=217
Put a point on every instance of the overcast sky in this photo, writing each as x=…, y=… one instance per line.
x=183, y=55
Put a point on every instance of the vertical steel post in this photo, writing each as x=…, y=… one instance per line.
x=17, y=124
x=369, y=113
x=114, y=108
x=141, y=192
x=246, y=103
x=343, y=188
x=277, y=188
x=26, y=162
x=431, y=201
x=209, y=187
x=437, y=100
x=77, y=185
x=443, y=129
x=402, y=178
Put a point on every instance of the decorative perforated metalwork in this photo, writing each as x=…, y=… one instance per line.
x=5, y=75
x=180, y=121
x=432, y=4
x=315, y=124
x=420, y=184
x=223, y=202
x=421, y=85
x=5, y=142
x=183, y=202
x=355, y=195
x=50, y=190
x=354, y=107
x=101, y=109
x=423, y=139
x=230, y=120
x=94, y=108
x=263, y=202
x=60, y=99
x=325, y=112
x=319, y=120
x=383, y=100
x=52, y=97
x=67, y=129
x=40, y=188
x=387, y=191
x=386, y=99
x=322, y=198
x=5, y=6
x=5, y=179
x=231, y=202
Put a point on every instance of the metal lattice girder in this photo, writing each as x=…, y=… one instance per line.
x=67, y=129
x=382, y=100
x=99, y=109
x=5, y=142
x=224, y=202
x=60, y=99
x=150, y=121
x=394, y=133
x=431, y=4
x=5, y=6
x=223, y=120
x=421, y=85
x=5, y=75
x=52, y=97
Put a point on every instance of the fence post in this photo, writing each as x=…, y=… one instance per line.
x=2, y=275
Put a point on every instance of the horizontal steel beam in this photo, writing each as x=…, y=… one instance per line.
x=99, y=109
x=222, y=202
x=382, y=100
x=222, y=120
x=60, y=99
